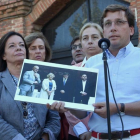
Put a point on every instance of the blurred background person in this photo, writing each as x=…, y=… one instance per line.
x=48, y=87
x=39, y=49
x=38, y=46
x=34, y=124
x=76, y=51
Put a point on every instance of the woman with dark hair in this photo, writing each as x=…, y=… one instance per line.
x=21, y=44
x=20, y=120
x=38, y=47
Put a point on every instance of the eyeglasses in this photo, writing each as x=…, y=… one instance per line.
x=118, y=22
x=25, y=112
x=74, y=47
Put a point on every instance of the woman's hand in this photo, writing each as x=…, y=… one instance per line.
x=49, y=92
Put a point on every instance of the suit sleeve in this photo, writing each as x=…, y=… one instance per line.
x=52, y=124
x=7, y=131
x=26, y=78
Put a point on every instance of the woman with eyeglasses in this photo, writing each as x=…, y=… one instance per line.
x=20, y=120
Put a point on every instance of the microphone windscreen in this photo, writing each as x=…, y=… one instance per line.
x=103, y=40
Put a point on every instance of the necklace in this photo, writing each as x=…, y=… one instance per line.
x=14, y=80
x=23, y=103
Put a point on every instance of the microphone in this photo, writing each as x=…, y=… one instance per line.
x=104, y=43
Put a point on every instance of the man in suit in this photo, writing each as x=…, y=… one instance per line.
x=64, y=88
x=76, y=51
x=30, y=79
x=84, y=90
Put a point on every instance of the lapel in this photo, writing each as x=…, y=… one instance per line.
x=40, y=112
x=36, y=111
x=81, y=85
x=10, y=86
x=32, y=75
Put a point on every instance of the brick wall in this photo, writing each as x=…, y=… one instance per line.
x=26, y=16
x=12, y=15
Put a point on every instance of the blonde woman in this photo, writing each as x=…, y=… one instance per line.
x=89, y=36
x=48, y=87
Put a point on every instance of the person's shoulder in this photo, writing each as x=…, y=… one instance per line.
x=137, y=49
x=28, y=71
x=93, y=60
x=46, y=79
x=135, y=52
x=5, y=73
x=1, y=75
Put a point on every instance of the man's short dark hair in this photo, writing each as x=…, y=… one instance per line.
x=66, y=73
x=114, y=8
x=74, y=39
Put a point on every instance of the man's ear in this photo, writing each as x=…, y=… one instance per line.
x=131, y=31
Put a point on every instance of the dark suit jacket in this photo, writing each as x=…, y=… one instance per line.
x=68, y=88
x=11, y=113
x=89, y=89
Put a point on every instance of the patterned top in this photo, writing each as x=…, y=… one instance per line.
x=30, y=122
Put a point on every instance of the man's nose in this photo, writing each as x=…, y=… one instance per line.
x=113, y=26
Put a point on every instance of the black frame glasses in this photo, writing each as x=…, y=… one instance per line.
x=118, y=22
x=74, y=47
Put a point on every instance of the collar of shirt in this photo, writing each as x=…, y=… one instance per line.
x=84, y=62
x=123, y=52
x=65, y=79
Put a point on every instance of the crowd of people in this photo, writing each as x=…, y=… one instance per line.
x=29, y=121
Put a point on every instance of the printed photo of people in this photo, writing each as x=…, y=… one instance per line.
x=57, y=82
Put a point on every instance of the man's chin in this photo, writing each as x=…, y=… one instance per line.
x=115, y=44
x=78, y=60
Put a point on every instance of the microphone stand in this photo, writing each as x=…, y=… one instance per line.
x=106, y=91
